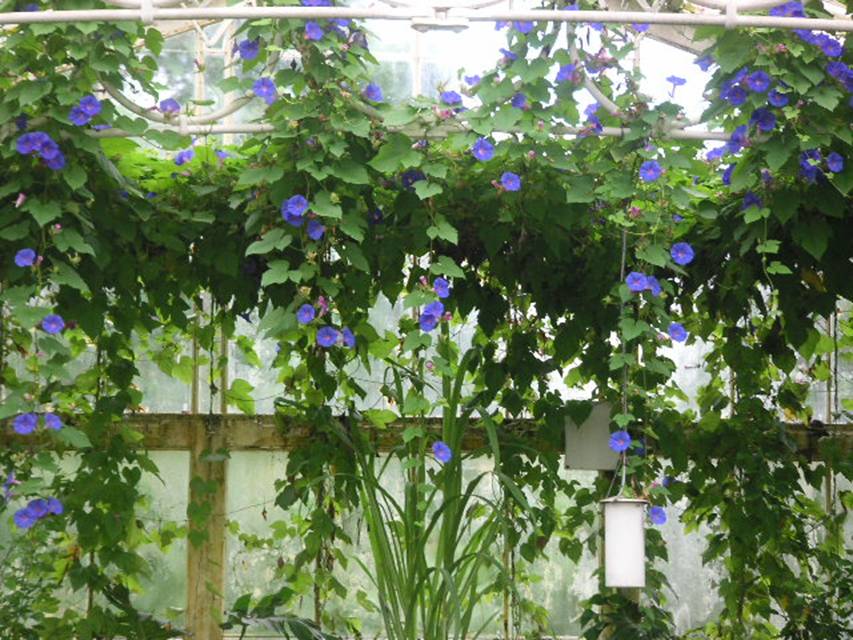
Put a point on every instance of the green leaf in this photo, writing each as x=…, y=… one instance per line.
x=506, y=117
x=350, y=171
x=323, y=205
x=75, y=176
x=580, y=189
x=777, y=268
x=256, y=175
x=355, y=257
x=632, y=328
x=68, y=239
x=654, y=254
x=443, y=229
x=813, y=236
x=380, y=417
x=353, y=225
x=395, y=154
x=69, y=277
x=274, y=239
x=240, y=396
x=399, y=115
x=768, y=246
x=74, y=437
x=445, y=266
x=276, y=273
x=426, y=189
x=43, y=212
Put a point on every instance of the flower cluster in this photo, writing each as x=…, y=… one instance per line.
x=88, y=107
x=328, y=336
x=812, y=163
x=41, y=144
x=25, y=423
x=36, y=510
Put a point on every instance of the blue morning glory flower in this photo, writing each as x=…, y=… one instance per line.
x=170, y=107
x=737, y=140
x=56, y=162
x=650, y=170
x=777, y=99
x=90, y=105
x=52, y=421
x=472, y=81
x=727, y=174
x=451, y=98
x=49, y=149
x=657, y=515
x=519, y=101
x=348, y=338
x=704, y=63
x=619, y=441
x=501, y=24
x=54, y=506
x=758, y=81
x=25, y=258
x=53, y=324
x=431, y=316
x=328, y=337
x=677, y=332
x=508, y=55
x=78, y=116
x=442, y=452
x=715, y=154
x=751, y=200
x=735, y=96
x=38, y=508
x=410, y=177
x=682, y=253
x=566, y=73
x=636, y=281
x=483, y=150
x=653, y=285
x=764, y=119
x=675, y=81
x=249, y=49
x=523, y=26
x=313, y=31
x=510, y=181
x=316, y=230
x=182, y=157
x=835, y=162
x=830, y=46
x=222, y=154
x=372, y=92
x=25, y=423
x=265, y=88
x=24, y=519
x=295, y=205
x=640, y=27
x=306, y=314
x=441, y=287
x=788, y=10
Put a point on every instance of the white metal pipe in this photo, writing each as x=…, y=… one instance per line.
x=216, y=129
x=307, y=13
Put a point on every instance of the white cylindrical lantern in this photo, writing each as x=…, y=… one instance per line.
x=624, y=542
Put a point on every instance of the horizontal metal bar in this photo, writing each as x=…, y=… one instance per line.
x=314, y=13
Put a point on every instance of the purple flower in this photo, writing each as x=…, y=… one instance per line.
x=519, y=101
x=90, y=105
x=727, y=174
x=737, y=140
x=441, y=287
x=751, y=200
x=566, y=73
x=249, y=49
x=52, y=324
x=620, y=441
x=835, y=162
x=313, y=31
x=372, y=92
x=25, y=258
x=640, y=27
x=735, y=96
x=472, y=81
x=508, y=55
x=636, y=281
x=222, y=154
x=25, y=423
x=777, y=99
x=650, y=171
x=715, y=154
x=348, y=337
x=483, y=150
x=510, y=181
x=23, y=518
x=764, y=119
x=451, y=98
x=682, y=253
x=523, y=26
x=431, y=316
x=182, y=157
x=56, y=162
x=410, y=177
x=78, y=116
x=704, y=63
x=657, y=515
x=830, y=46
x=675, y=81
x=295, y=206
x=305, y=314
x=328, y=337
x=758, y=81
x=501, y=24
x=54, y=506
x=442, y=452
x=38, y=508
x=653, y=285
x=52, y=421
x=265, y=89
x=315, y=230
x=170, y=107
x=788, y=10
x=677, y=332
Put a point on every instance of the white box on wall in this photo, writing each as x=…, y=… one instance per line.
x=587, y=443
